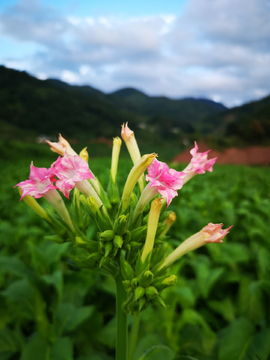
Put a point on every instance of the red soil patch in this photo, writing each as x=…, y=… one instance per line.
x=255, y=155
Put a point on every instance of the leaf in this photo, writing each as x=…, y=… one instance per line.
x=13, y=265
x=10, y=341
x=62, y=349
x=235, y=338
x=159, y=352
x=185, y=296
x=20, y=293
x=69, y=317
x=225, y=308
x=38, y=349
x=35, y=349
x=56, y=280
x=258, y=345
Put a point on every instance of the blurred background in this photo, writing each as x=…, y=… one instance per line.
x=178, y=72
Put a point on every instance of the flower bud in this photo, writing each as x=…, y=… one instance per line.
x=135, y=173
x=138, y=293
x=84, y=154
x=151, y=292
x=168, y=281
x=86, y=244
x=126, y=284
x=118, y=241
x=106, y=235
x=133, y=149
x=134, y=282
x=168, y=222
x=146, y=278
x=95, y=256
x=152, y=227
x=115, y=156
x=120, y=224
x=108, y=248
x=134, y=245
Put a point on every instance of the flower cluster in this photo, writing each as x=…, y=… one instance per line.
x=130, y=239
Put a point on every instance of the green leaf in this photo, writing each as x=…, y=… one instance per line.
x=159, y=352
x=235, y=338
x=20, y=293
x=56, y=280
x=225, y=308
x=185, y=296
x=62, y=349
x=69, y=317
x=37, y=349
x=258, y=344
x=13, y=265
x=10, y=341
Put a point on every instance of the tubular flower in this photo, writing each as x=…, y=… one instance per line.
x=72, y=170
x=134, y=175
x=166, y=181
x=199, y=163
x=61, y=146
x=39, y=183
x=133, y=149
x=211, y=233
x=152, y=227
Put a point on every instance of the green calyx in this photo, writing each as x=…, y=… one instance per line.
x=145, y=289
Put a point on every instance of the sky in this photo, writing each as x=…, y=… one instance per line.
x=215, y=49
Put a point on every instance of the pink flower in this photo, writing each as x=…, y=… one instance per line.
x=214, y=233
x=198, y=164
x=211, y=233
x=70, y=169
x=40, y=182
x=167, y=181
x=126, y=133
x=61, y=146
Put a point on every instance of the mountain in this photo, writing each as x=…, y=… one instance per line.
x=249, y=123
x=47, y=107
x=52, y=106
x=180, y=111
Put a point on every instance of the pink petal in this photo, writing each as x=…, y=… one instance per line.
x=166, y=180
x=70, y=169
x=199, y=162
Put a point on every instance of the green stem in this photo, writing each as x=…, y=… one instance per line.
x=134, y=336
x=48, y=352
x=121, y=320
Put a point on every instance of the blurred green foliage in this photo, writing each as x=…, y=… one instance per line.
x=218, y=310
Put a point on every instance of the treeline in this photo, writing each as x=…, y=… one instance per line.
x=30, y=107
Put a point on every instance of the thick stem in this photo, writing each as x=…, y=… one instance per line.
x=121, y=320
x=133, y=337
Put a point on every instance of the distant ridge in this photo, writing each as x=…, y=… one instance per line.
x=49, y=106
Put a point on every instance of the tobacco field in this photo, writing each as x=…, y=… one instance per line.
x=218, y=309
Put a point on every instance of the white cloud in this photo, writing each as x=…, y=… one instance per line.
x=69, y=76
x=217, y=49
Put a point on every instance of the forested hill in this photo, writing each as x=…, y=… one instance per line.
x=249, y=123
x=52, y=106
